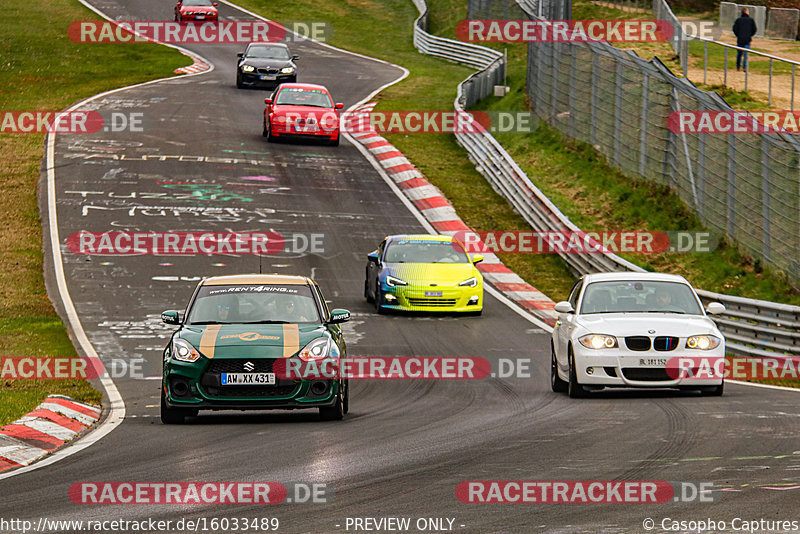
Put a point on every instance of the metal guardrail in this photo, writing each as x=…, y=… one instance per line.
x=752, y=327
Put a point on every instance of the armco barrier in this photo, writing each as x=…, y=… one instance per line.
x=752, y=327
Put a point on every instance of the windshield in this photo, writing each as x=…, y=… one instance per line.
x=197, y=3
x=254, y=304
x=295, y=96
x=417, y=251
x=267, y=52
x=639, y=297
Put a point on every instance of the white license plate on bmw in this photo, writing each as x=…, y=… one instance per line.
x=267, y=77
x=433, y=293
x=200, y=17
x=248, y=379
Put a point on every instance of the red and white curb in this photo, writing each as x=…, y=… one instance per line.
x=50, y=425
x=198, y=66
x=440, y=213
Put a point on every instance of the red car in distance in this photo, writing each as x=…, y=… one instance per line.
x=196, y=10
x=302, y=110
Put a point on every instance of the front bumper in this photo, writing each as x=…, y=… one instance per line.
x=189, y=385
x=414, y=298
x=254, y=79
x=282, y=130
x=645, y=369
x=198, y=18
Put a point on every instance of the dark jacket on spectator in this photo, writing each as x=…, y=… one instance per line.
x=744, y=29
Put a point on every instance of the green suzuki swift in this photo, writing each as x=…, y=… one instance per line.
x=234, y=330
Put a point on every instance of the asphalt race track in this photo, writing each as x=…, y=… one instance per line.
x=405, y=445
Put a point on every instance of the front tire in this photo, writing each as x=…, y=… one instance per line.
x=574, y=389
x=335, y=142
x=713, y=391
x=556, y=384
x=379, y=298
x=366, y=293
x=239, y=83
x=174, y=416
x=337, y=411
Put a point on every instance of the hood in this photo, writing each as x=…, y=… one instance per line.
x=445, y=274
x=303, y=111
x=267, y=63
x=208, y=10
x=251, y=340
x=638, y=324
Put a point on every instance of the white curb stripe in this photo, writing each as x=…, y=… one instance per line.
x=47, y=427
x=68, y=412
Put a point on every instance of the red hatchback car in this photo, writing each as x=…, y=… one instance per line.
x=196, y=10
x=302, y=110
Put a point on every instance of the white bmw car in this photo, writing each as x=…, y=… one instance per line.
x=630, y=330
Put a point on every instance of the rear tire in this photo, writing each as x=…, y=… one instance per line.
x=556, y=384
x=574, y=389
x=174, y=416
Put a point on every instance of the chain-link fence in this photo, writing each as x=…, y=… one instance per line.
x=782, y=23
x=729, y=12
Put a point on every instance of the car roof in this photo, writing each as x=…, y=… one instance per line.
x=250, y=279
x=420, y=237
x=634, y=277
x=267, y=43
x=302, y=86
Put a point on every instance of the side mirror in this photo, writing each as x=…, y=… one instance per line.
x=715, y=308
x=339, y=316
x=240, y=55
x=338, y=105
x=170, y=317
x=268, y=101
x=373, y=256
x=564, y=307
x=214, y=4
x=476, y=259
x=295, y=58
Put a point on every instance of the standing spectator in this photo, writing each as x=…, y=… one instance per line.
x=744, y=29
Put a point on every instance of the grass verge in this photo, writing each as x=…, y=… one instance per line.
x=41, y=69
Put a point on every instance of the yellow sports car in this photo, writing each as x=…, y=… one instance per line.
x=423, y=273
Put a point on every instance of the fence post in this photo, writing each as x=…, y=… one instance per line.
x=643, y=125
x=765, y=209
x=571, y=105
x=595, y=74
x=731, y=226
x=617, y=112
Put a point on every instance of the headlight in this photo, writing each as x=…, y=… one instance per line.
x=287, y=70
x=391, y=281
x=702, y=342
x=183, y=351
x=598, y=341
x=248, y=68
x=322, y=347
x=469, y=282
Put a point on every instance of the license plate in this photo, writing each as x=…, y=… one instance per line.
x=433, y=293
x=267, y=77
x=305, y=129
x=248, y=379
x=652, y=362
x=200, y=17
